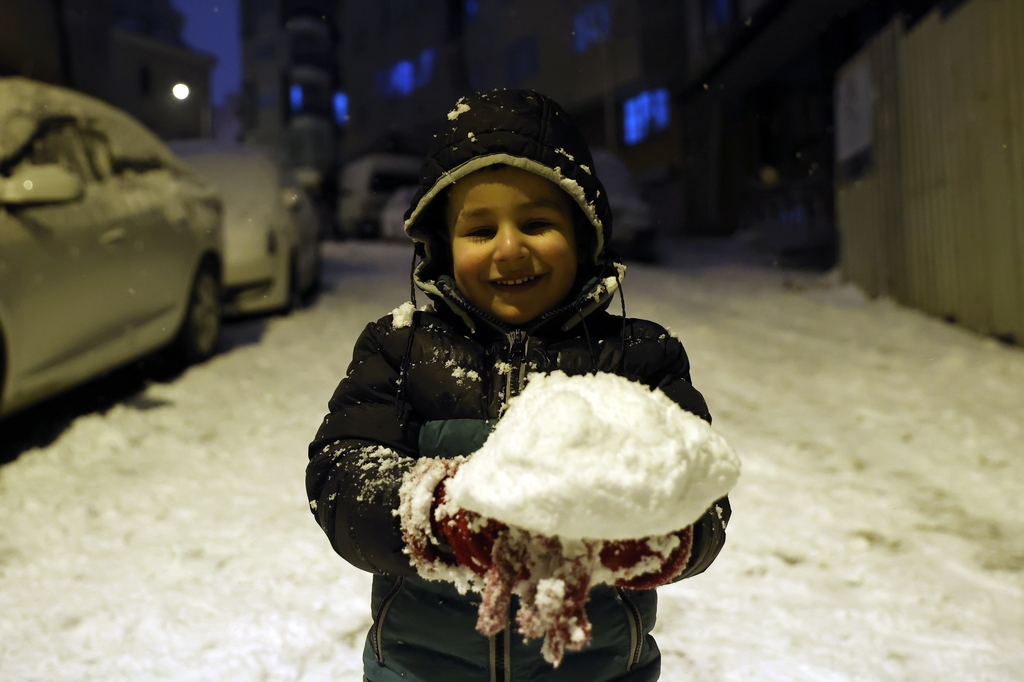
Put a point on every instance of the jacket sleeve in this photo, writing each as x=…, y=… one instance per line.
x=364, y=447
x=709, y=530
x=708, y=538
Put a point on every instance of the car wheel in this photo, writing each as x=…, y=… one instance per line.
x=200, y=332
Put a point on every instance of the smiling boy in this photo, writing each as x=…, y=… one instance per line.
x=513, y=243
x=510, y=223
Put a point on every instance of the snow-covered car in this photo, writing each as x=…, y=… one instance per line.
x=365, y=185
x=632, y=230
x=271, y=229
x=392, y=216
x=110, y=246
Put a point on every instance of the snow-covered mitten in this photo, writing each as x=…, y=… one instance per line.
x=444, y=541
x=425, y=542
x=648, y=562
x=470, y=536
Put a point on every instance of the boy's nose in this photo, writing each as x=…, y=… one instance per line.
x=511, y=244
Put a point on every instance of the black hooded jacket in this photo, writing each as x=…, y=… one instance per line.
x=431, y=383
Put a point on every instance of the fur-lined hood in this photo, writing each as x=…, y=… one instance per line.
x=527, y=130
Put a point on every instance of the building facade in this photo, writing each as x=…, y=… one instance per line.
x=403, y=64
x=146, y=78
x=128, y=53
x=292, y=101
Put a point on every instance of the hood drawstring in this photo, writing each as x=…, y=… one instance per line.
x=586, y=332
x=622, y=334
x=403, y=372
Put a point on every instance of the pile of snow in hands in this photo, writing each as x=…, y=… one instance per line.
x=596, y=456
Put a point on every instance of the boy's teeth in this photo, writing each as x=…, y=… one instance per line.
x=516, y=281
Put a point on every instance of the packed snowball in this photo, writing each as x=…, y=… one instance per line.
x=596, y=456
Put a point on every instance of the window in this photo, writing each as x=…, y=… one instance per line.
x=402, y=78
x=340, y=108
x=58, y=142
x=425, y=67
x=310, y=97
x=406, y=76
x=97, y=149
x=718, y=12
x=647, y=113
x=523, y=60
x=592, y=24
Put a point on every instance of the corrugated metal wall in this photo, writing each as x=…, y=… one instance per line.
x=934, y=214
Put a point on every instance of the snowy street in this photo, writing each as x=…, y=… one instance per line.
x=877, y=530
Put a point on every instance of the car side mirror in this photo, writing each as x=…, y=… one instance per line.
x=45, y=184
x=290, y=199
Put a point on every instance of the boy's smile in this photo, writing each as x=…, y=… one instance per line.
x=513, y=245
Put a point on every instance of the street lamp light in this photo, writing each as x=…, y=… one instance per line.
x=180, y=91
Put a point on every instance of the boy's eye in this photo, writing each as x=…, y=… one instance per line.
x=480, y=232
x=537, y=225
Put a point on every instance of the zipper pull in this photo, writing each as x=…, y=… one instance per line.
x=516, y=364
x=515, y=341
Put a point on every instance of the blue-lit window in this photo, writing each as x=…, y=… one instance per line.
x=403, y=77
x=406, y=76
x=645, y=114
x=425, y=67
x=471, y=8
x=340, y=108
x=592, y=24
x=720, y=11
x=295, y=97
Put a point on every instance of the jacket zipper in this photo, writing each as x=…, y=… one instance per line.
x=518, y=342
x=518, y=345
x=378, y=622
x=636, y=630
x=500, y=645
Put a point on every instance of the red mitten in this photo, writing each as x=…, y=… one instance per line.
x=470, y=536
x=424, y=541
x=649, y=562
x=445, y=542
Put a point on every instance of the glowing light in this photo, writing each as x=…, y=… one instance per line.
x=180, y=91
x=403, y=77
x=295, y=97
x=340, y=108
x=648, y=112
x=593, y=24
x=406, y=76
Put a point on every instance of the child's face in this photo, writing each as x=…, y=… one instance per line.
x=513, y=246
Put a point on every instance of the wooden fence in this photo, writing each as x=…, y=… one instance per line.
x=930, y=169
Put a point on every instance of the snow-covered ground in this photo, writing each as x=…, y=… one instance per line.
x=878, y=527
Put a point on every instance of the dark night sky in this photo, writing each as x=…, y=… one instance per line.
x=213, y=26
